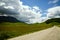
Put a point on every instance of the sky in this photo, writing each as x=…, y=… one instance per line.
x=30, y=11
x=43, y=4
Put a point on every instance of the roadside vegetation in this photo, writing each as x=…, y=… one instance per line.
x=10, y=30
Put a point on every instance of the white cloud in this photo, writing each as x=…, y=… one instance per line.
x=3, y=14
x=54, y=1
x=2, y=3
x=29, y=15
x=8, y=7
x=35, y=7
x=54, y=12
x=23, y=13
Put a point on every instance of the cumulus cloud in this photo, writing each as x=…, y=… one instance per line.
x=9, y=7
x=22, y=12
x=54, y=12
x=35, y=7
x=2, y=3
x=54, y=1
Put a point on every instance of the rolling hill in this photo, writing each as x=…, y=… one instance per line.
x=8, y=19
x=53, y=20
x=11, y=27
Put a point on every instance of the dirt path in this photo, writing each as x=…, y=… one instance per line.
x=48, y=34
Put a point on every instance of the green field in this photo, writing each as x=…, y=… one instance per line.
x=9, y=30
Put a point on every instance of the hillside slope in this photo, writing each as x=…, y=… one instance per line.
x=8, y=19
x=53, y=20
x=9, y=28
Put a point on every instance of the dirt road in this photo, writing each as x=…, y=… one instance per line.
x=48, y=34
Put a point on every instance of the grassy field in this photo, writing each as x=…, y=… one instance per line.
x=9, y=30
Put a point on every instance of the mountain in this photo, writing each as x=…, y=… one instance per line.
x=10, y=30
x=53, y=20
x=8, y=19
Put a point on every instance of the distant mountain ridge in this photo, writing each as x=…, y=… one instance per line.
x=8, y=19
x=12, y=19
x=53, y=20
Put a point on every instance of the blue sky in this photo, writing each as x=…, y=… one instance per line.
x=42, y=4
